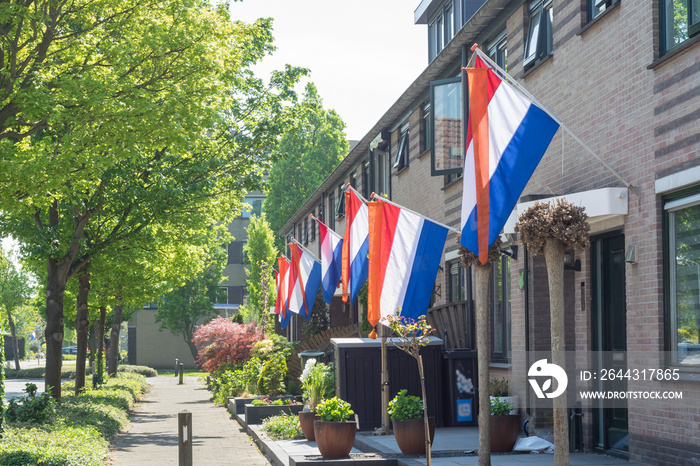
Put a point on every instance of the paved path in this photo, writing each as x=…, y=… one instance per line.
x=151, y=437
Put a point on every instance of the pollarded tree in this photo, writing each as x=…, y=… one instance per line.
x=260, y=249
x=482, y=284
x=551, y=228
x=309, y=150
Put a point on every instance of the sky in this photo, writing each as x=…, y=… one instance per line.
x=362, y=54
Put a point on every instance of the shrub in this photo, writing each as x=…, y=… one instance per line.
x=224, y=342
x=500, y=407
x=404, y=407
x=31, y=409
x=499, y=387
x=283, y=427
x=271, y=380
x=318, y=382
x=143, y=370
x=334, y=410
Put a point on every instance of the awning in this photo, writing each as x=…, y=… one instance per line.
x=606, y=208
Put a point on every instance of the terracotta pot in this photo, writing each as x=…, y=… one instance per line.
x=334, y=439
x=504, y=432
x=410, y=435
x=306, y=421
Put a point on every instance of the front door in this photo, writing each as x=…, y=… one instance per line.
x=610, y=337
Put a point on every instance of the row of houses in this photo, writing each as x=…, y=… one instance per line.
x=624, y=76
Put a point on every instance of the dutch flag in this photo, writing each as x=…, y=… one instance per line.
x=331, y=260
x=506, y=139
x=304, y=281
x=355, y=246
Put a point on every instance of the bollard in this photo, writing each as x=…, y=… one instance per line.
x=184, y=436
x=177, y=366
x=182, y=373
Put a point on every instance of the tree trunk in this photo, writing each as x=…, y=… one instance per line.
x=482, y=278
x=421, y=373
x=82, y=323
x=101, y=343
x=55, y=288
x=554, y=256
x=113, y=354
x=15, y=347
x=193, y=349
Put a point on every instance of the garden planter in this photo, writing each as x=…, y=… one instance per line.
x=256, y=414
x=410, y=435
x=306, y=421
x=513, y=399
x=504, y=432
x=334, y=439
x=240, y=402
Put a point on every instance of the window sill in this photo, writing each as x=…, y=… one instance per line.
x=598, y=18
x=537, y=64
x=423, y=154
x=452, y=183
x=673, y=52
x=401, y=169
x=500, y=365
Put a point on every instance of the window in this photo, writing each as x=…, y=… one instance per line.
x=313, y=223
x=401, y=159
x=306, y=231
x=446, y=21
x=500, y=309
x=340, y=208
x=539, y=34
x=446, y=126
x=498, y=51
x=331, y=214
x=456, y=289
x=683, y=289
x=382, y=171
x=596, y=7
x=680, y=20
x=427, y=135
x=222, y=295
x=365, y=181
x=235, y=252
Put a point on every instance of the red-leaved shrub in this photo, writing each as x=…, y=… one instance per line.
x=223, y=342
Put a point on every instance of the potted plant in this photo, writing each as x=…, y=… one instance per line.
x=504, y=427
x=500, y=387
x=335, y=433
x=407, y=417
x=317, y=383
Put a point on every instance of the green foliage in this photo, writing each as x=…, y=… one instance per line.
x=317, y=382
x=81, y=429
x=271, y=380
x=143, y=370
x=31, y=409
x=500, y=407
x=320, y=318
x=262, y=254
x=334, y=410
x=309, y=150
x=272, y=345
x=499, y=387
x=403, y=407
x=226, y=384
x=283, y=427
x=259, y=402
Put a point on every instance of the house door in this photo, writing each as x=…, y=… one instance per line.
x=610, y=338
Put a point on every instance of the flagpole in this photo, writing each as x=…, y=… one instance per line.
x=379, y=198
x=313, y=256
x=350, y=188
x=635, y=189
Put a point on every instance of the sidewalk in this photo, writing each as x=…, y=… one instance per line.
x=151, y=437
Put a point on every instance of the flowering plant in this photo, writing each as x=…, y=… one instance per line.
x=317, y=382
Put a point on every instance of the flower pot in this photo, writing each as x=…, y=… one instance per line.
x=306, y=421
x=410, y=435
x=504, y=432
x=334, y=439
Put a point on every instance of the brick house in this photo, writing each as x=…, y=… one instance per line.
x=624, y=75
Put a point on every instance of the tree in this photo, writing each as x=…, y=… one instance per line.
x=164, y=128
x=225, y=342
x=14, y=293
x=261, y=252
x=186, y=307
x=309, y=150
x=482, y=283
x=551, y=229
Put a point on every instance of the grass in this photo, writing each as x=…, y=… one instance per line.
x=185, y=373
x=80, y=431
